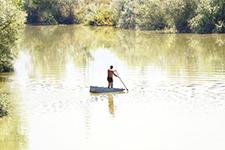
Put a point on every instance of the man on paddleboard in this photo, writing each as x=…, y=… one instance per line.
x=110, y=73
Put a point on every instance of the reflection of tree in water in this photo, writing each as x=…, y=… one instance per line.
x=11, y=135
x=111, y=105
x=3, y=104
x=173, y=51
x=51, y=46
x=6, y=98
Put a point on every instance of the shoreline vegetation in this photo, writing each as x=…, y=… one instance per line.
x=177, y=16
x=162, y=16
x=12, y=18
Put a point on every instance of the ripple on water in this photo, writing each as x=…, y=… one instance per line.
x=203, y=92
x=200, y=93
x=41, y=96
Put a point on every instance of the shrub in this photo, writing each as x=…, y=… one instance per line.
x=51, y=11
x=66, y=12
x=219, y=27
x=41, y=12
x=150, y=15
x=179, y=13
x=203, y=22
x=127, y=14
x=210, y=17
x=103, y=16
x=46, y=17
x=85, y=13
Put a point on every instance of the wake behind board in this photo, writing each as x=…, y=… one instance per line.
x=96, y=89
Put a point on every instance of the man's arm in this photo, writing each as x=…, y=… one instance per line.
x=115, y=74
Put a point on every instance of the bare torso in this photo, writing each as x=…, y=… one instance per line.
x=110, y=73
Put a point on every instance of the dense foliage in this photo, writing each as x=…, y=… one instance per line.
x=96, y=15
x=210, y=17
x=11, y=22
x=179, y=13
x=51, y=11
x=200, y=16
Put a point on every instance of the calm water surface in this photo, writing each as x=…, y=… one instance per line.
x=176, y=98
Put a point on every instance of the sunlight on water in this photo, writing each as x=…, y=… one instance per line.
x=23, y=67
x=176, y=88
x=103, y=58
x=70, y=73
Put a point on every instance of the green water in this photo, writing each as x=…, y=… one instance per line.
x=175, y=101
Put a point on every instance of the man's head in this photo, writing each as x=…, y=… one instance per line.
x=111, y=67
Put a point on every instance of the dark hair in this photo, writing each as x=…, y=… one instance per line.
x=111, y=67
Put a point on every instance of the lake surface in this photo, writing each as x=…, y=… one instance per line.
x=176, y=98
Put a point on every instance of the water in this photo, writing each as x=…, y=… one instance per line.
x=176, y=98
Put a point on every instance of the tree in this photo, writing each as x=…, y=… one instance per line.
x=210, y=17
x=51, y=11
x=11, y=23
x=179, y=13
x=150, y=15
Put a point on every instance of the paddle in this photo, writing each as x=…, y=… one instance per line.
x=121, y=81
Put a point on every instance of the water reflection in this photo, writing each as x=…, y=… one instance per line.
x=176, y=89
x=111, y=105
x=12, y=135
x=174, y=52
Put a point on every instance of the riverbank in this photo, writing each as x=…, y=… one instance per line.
x=180, y=16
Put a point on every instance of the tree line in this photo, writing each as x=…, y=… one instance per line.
x=198, y=16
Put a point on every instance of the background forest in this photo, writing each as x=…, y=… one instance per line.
x=199, y=16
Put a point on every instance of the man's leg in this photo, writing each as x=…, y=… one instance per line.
x=108, y=84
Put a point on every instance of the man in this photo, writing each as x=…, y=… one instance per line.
x=111, y=72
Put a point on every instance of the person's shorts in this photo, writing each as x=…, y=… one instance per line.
x=109, y=79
